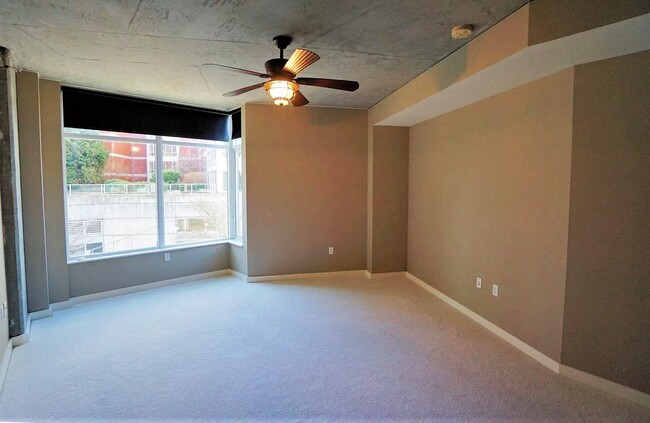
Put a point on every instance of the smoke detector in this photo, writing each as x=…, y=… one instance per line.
x=461, y=31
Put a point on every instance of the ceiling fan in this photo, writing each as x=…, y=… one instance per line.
x=283, y=85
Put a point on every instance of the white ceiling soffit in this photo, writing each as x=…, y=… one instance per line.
x=157, y=48
x=529, y=64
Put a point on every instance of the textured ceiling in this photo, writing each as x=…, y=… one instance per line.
x=158, y=48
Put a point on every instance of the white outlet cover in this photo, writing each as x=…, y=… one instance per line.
x=331, y=250
x=168, y=257
x=479, y=283
x=495, y=290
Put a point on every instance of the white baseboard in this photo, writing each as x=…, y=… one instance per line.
x=318, y=275
x=60, y=305
x=238, y=275
x=4, y=364
x=146, y=287
x=596, y=382
x=19, y=340
x=605, y=385
x=512, y=340
x=585, y=378
x=386, y=275
x=41, y=314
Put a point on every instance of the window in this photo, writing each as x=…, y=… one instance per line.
x=116, y=202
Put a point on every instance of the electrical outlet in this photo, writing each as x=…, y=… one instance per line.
x=495, y=290
x=479, y=283
x=168, y=256
x=4, y=311
x=331, y=251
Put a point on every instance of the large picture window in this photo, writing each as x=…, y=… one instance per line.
x=117, y=201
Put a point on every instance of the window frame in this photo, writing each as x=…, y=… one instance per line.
x=159, y=142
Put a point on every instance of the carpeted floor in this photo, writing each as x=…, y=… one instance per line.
x=327, y=350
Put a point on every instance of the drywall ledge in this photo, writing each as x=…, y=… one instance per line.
x=529, y=64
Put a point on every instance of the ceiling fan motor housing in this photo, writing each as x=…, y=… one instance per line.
x=274, y=69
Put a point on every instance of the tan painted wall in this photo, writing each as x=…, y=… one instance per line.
x=91, y=277
x=553, y=19
x=489, y=197
x=607, y=311
x=29, y=139
x=52, y=147
x=306, y=182
x=390, y=199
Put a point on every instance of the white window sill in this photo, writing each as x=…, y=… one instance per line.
x=86, y=259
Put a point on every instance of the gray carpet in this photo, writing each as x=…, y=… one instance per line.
x=327, y=350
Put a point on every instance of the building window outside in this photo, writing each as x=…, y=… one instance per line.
x=85, y=237
x=112, y=182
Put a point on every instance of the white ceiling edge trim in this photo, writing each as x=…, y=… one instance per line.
x=530, y=64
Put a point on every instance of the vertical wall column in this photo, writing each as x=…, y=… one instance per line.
x=53, y=190
x=607, y=302
x=29, y=132
x=388, y=199
x=11, y=200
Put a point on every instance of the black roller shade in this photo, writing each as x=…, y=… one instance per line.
x=236, y=123
x=87, y=109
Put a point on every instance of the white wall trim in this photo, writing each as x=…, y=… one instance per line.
x=238, y=275
x=605, y=385
x=146, y=287
x=60, y=305
x=593, y=381
x=19, y=340
x=512, y=340
x=317, y=275
x=386, y=275
x=41, y=314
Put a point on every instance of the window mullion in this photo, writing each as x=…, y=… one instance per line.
x=232, y=220
x=159, y=192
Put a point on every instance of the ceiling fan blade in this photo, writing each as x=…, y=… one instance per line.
x=244, y=71
x=299, y=99
x=244, y=90
x=337, y=84
x=299, y=60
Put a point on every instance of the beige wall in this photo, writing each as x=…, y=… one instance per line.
x=306, y=182
x=389, y=199
x=91, y=277
x=489, y=197
x=607, y=312
x=553, y=19
x=52, y=147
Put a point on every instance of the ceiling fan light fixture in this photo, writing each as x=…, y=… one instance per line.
x=282, y=92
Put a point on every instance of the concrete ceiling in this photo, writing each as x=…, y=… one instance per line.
x=157, y=48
